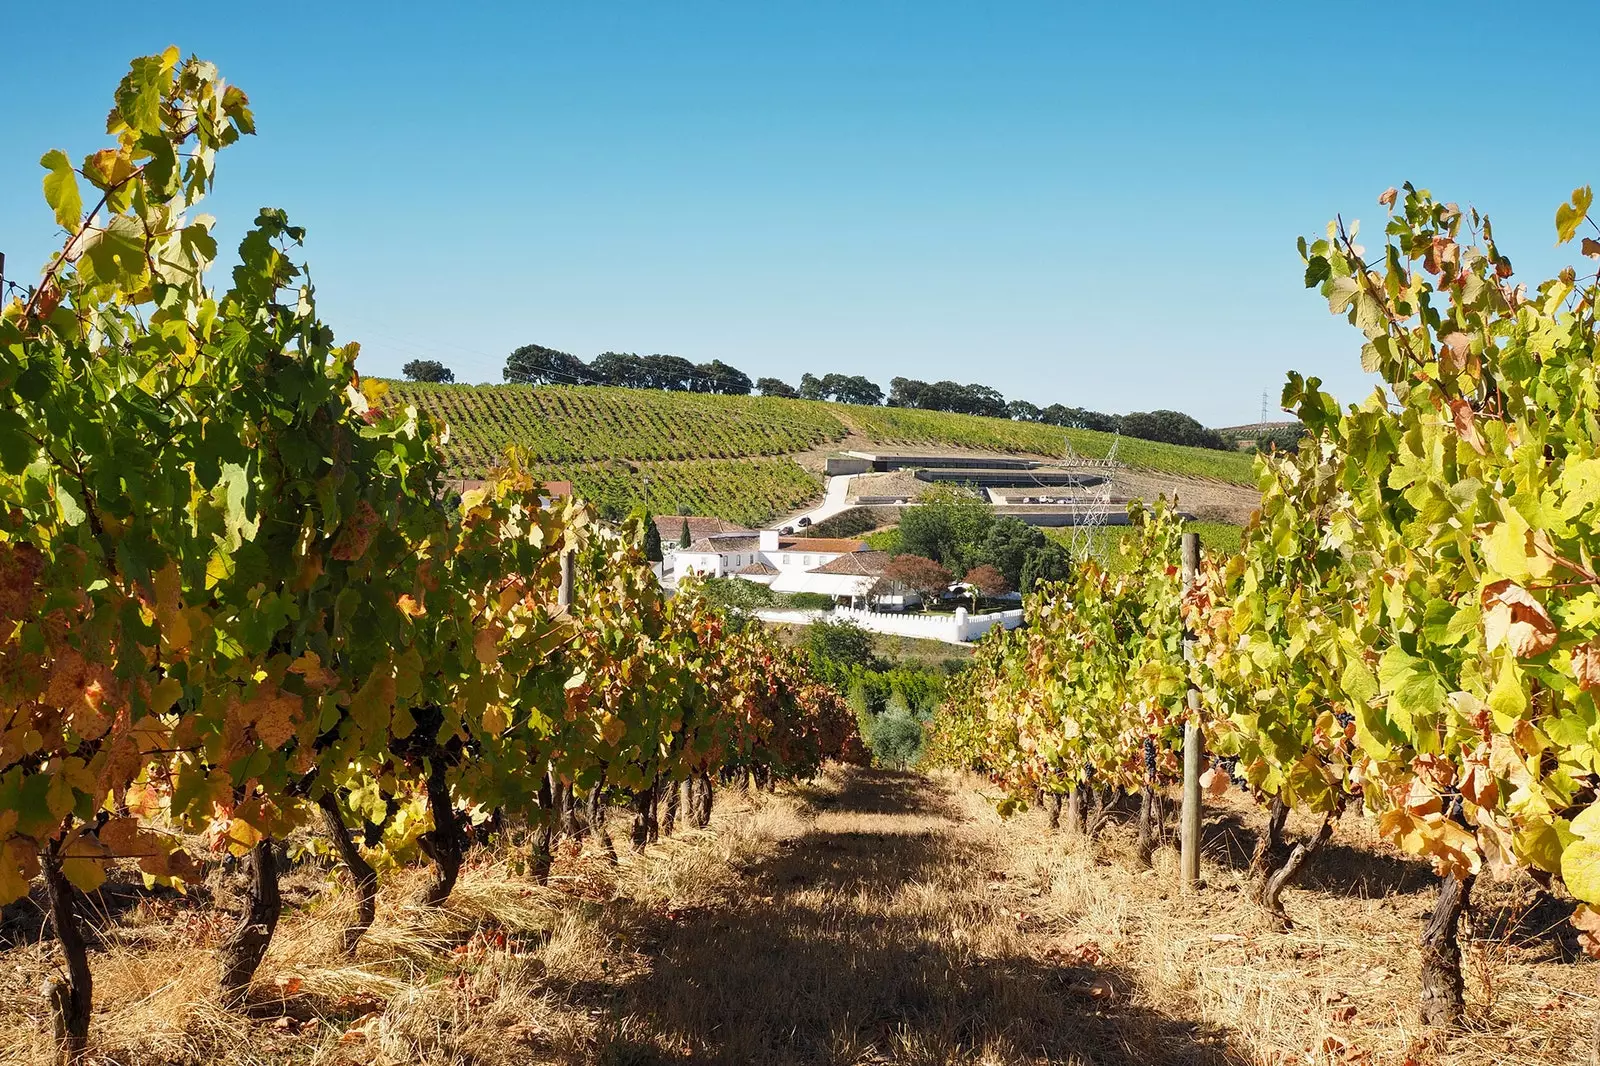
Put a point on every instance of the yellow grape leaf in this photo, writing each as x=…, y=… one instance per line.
x=1509, y=548
x=1587, y=823
x=373, y=705
x=495, y=719
x=19, y=864
x=1580, y=870
x=318, y=678
x=164, y=693
x=1539, y=845
x=83, y=861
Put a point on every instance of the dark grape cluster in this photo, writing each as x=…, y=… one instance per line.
x=1230, y=763
x=1345, y=718
x=1149, y=759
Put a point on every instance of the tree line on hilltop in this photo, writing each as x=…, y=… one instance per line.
x=534, y=364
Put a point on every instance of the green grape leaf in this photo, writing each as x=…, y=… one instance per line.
x=61, y=190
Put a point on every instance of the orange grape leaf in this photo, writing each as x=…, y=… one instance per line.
x=1586, y=664
x=1514, y=618
x=356, y=534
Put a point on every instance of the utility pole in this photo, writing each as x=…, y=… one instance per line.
x=1193, y=742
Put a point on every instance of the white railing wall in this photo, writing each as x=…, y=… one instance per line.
x=957, y=628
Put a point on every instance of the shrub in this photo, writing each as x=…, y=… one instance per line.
x=840, y=642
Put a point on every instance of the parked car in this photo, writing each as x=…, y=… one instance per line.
x=786, y=531
x=805, y=520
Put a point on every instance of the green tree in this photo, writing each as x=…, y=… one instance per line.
x=775, y=387
x=1008, y=545
x=684, y=540
x=430, y=370
x=652, y=535
x=534, y=364
x=1051, y=562
x=948, y=525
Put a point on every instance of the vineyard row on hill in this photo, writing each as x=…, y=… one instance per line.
x=232, y=601
x=556, y=424
x=1411, y=623
x=747, y=491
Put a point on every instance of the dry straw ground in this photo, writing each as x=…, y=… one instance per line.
x=869, y=917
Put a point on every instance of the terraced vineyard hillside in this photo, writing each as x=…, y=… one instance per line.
x=671, y=449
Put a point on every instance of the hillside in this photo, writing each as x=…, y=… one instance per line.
x=622, y=446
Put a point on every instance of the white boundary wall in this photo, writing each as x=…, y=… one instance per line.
x=957, y=628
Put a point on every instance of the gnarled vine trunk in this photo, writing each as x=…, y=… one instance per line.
x=1101, y=802
x=361, y=873
x=569, y=822
x=643, y=801
x=71, y=1001
x=1052, y=807
x=702, y=801
x=539, y=847
x=1269, y=849
x=1289, y=872
x=1075, y=811
x=1443, y=1001
x=597, y=819
x=668, y=800
x=245, y=947
x=1150, y=822
x=445, y=843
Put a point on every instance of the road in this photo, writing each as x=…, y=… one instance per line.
x=834, y=500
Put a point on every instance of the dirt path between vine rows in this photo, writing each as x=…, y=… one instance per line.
x=885, y=923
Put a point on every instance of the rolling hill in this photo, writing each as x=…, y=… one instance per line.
x=674, y=449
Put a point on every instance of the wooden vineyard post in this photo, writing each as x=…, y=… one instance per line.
x=564, y=594
x=1193, y=744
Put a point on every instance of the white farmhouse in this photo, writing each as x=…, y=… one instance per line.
x=832, y=566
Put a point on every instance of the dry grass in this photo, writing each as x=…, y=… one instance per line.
x=868, y=917
x=1342, y=986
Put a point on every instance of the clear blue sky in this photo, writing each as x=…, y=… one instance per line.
x=1088, y=204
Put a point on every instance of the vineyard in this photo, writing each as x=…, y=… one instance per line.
x=1410, y=627
x=560, y=424
x=608, y=440
x=747, y=491
x=236, y=608
x=906, y=426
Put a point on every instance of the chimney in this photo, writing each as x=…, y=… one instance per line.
x=769, y=540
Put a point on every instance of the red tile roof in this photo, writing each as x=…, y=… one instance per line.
x=671, y=527
x=856, y=564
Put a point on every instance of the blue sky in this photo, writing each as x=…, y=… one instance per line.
x=1088, y=204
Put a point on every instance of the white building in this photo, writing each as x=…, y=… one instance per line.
x=831, y=566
